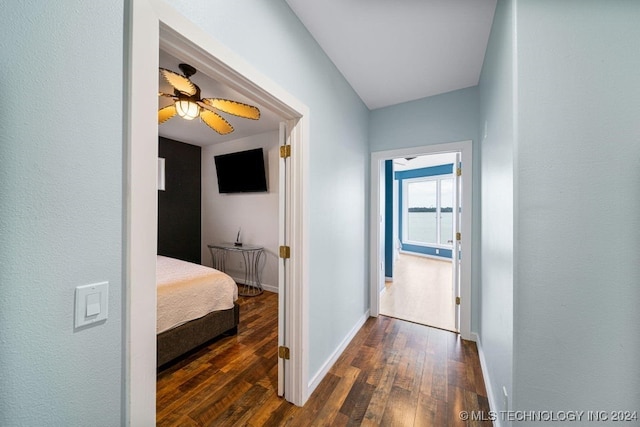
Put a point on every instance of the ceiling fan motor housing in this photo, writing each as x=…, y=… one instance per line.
x=187, y=70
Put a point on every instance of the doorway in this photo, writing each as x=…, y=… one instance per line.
x=152, y=25
x=421, y=200
x=461, y=246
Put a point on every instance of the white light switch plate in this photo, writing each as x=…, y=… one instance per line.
x=91, y=303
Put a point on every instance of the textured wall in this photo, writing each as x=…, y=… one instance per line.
x=497, y=127
x=60, y=211
x=578, y=184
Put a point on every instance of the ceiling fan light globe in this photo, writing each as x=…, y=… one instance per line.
x=187, y=109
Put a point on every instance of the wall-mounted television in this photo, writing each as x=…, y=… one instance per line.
x=241, y=172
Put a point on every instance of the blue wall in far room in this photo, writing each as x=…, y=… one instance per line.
x=388, y=215
x=422, y=172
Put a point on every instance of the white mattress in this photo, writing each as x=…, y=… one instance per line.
x=188, y=291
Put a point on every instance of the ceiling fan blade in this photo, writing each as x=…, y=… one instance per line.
x=168, y=95
x=166, y=113
x=233, y=107
x=180, y=83
x=216, y=122
x=205, y=106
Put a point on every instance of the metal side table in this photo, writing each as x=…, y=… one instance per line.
x=251, y=256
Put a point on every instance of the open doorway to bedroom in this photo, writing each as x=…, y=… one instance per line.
x=212, y=215
x=153, y=26
x=419, y=239
x=193, y=211
x=421, y=209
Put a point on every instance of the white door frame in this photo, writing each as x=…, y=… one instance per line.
x=151, y=24
x=377, y=215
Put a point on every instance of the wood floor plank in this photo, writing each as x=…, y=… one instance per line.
x=410, y=370
x=457, y=375
x=219, y=401
x=400, y=409
x=375, y=410
x=183, y=421
x=439, y=384
x=240, y=409
x=358, y=399
x=333, y=403
x=174, y=386
x=282, y=416
x=430, y=412
x=455, y=405
x=426, y=381
x=261, y=414
x=314, y=406
x=392, y=373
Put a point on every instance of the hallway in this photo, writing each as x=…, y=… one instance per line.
x=392, y=373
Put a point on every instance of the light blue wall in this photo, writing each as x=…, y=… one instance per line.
x=576, y=336
x=60, y=210
x=62, y=201
x=449, y=117
x=497, y=127
x=270, y=37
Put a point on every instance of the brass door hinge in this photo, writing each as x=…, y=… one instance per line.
x=285, y=151
x=458, y=171
x=285, y=252
x=283, y=352
x=458, y=236
x=457, y=300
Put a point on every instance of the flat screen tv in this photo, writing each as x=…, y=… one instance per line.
x=241, y=172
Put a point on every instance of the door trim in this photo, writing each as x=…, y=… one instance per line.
x=377, y=214
x=149, y=25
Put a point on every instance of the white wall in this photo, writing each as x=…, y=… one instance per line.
x=578, y=224
x=61, y=212
x=255, y=213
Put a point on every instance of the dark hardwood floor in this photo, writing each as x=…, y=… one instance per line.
x=393, y=373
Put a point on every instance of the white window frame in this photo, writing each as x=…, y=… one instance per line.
x=405, y=211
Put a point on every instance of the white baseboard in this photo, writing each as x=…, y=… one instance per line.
x=270, y=288
x=319, y=376
x=487, y=378
x=266, y=287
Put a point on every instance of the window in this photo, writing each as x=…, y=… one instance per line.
x=428, y=211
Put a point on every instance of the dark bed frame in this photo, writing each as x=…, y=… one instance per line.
x=183, y=339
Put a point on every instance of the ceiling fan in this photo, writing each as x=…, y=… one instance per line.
x=188, y=104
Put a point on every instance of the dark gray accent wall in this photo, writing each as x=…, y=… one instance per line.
x=179, y=205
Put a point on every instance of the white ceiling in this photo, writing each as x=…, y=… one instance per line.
x=390, y=52
x=394, y=51
x=428, y=160
x=196, y=132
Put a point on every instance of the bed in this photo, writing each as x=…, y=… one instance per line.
x=195, y=304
